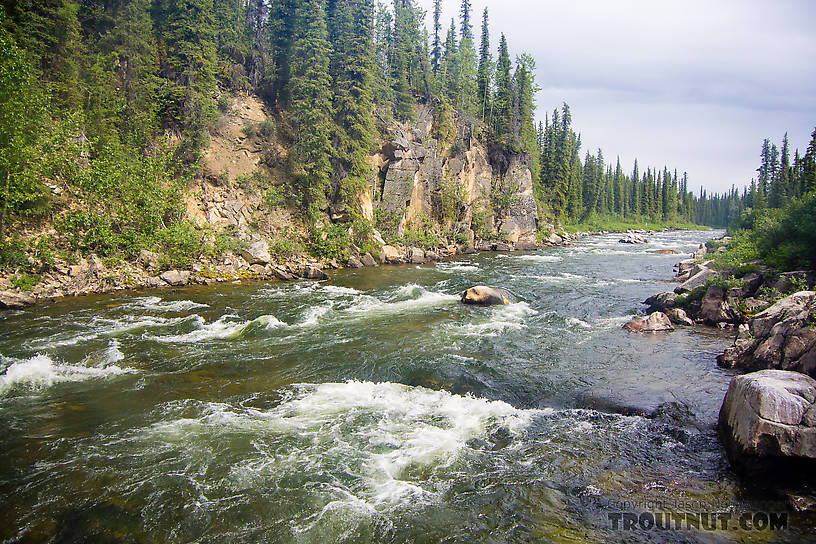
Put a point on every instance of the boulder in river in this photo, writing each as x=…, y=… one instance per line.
x=697, y=279
x=14, y=300
x=661, y=302
x=391, y=255
x=417, y=256
x=657, y=321
x=679, y=317
x=483, y=295
x=633, y=238
x=768, y=421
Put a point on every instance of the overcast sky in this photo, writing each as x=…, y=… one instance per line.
x=693, y=84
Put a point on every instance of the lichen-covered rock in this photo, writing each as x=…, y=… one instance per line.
x=768, y=420
x=656, y=322
x=780, y=337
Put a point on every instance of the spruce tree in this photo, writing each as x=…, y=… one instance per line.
x=436, y=49
x=502, y=102
x=485, y=70
x=311, y=103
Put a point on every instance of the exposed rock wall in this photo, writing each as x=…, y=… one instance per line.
x=413, y=167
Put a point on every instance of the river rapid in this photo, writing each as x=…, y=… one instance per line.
x=373, y=407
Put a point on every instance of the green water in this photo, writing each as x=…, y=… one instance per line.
x=370, y=408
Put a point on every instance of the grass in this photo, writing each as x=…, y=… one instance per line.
x=615, y=223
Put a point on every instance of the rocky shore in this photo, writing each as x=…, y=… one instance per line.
x=91, y=276
x=767, y=421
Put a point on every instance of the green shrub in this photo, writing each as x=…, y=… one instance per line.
x=180, y=245
x=330, y=242
x=461, y=239
x=388, y=224
x=25, y=282
x=420, y=233
x=13, y=254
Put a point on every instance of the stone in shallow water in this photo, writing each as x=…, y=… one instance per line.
x=482, y=295
x=657, y=321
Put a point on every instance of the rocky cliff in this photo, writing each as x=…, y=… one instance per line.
x=415, y=174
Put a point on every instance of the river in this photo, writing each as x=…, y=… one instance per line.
x=373, y=407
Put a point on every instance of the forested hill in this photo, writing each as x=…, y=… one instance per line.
x=109, y=109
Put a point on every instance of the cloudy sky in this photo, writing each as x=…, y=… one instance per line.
x=695, y=85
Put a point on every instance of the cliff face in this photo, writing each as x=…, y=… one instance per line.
x=416, y=178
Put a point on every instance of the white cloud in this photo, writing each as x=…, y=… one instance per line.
x=694, y=85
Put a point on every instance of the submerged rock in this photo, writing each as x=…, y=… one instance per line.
x=664, y=251
x=486, y=296
x=657, y=321
x=768, y=421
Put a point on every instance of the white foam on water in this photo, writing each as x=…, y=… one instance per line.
x=112, y=353
x=457, y=267
x=390, y=438
x=500, y=320
x=311, y=317
x=224, y=328
x=405, y=299
x=537, y=258
x=338, y=290
x=40, y=371
x=100, y=327
x=578, y=322
x=158, y=304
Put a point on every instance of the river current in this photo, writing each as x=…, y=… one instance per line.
x=372, y=407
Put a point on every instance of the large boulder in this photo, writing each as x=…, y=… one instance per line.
x=175, y=277
x=695, y=281
x=417, y=256
x=679, y=317
x=656, y=322
x=482, y=295
x=368, y=260
x=256, y=253
x=782, y=337
x=391, y=255
x=661, y=302
x=768, y=421
x=15, y=300
x=684, y=267
x=715, y=308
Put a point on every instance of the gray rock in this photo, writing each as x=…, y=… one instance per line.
x=679, y=317
x=695, y=281
x=149, y=259
x=368, y=260
x=257, y=253
x=391, y=255
x=282, y=274
x=417, y=256
x=661, y=302
x=553, y=239
x=656, y=322
x=714, y=308
x=15, y=300
x=175, y=277
x=781, y=337
x=684, y=267
x=632, y=238
x=768, y=421
x=354, y=262
x=314, y=273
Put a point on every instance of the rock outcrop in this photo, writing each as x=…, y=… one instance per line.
x=482, y=295
x=656, y=322
x=15, y=300
x=780, y=337
x=768, y=422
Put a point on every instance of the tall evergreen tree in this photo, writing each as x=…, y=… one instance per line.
x=311, y=102
x=485, y=69
x=502, y=102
